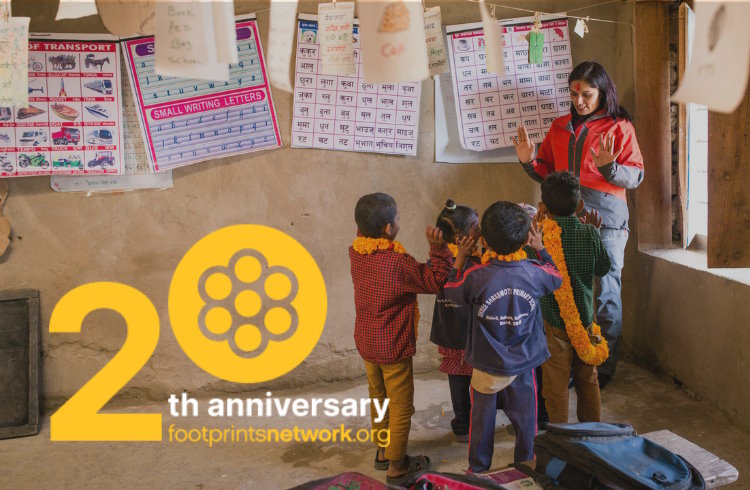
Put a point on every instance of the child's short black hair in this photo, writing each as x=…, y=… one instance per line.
x=373, y=212
x=561, y=193
x=455, y=220
x=505, y=227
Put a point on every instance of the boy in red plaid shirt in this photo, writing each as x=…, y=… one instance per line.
x=386, y=283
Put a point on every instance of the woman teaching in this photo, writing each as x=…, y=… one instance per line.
x=596, y=143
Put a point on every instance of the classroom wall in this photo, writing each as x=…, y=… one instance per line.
x=60, y=241
x=690, y=324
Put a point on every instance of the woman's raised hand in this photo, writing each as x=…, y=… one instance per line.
x=607, y=153
x=524, y=146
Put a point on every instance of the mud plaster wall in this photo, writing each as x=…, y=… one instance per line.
x=60, y=241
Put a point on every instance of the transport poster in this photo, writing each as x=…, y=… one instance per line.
x=72, y=124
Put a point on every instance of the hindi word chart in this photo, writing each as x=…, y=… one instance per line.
x=491, y=107
x=342, y=112
x=72, y=124
x=187, y=121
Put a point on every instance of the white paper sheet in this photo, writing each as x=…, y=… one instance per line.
x=393, y=41
x=493, y=41
x=14, y=56
x=281, y=42
x=718, y=71
x=433, y=31
x=336, y=21
x=344, y=112
x=448, y=147
x=185, y=41
x=490, y=108
x=74, y=9
x=226, y=39
x=127, y=17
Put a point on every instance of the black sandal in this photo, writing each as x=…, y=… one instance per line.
x=381, y=464
x=417, y=464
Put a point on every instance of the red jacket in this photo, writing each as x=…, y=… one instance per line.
x=603, y=188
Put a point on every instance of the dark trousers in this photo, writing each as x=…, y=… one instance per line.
x=518, y=401
x=461, y=399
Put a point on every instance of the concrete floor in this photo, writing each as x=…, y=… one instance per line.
x=634, y=396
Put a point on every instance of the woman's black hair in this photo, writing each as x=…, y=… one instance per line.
x=594, y=74
x=455, y=220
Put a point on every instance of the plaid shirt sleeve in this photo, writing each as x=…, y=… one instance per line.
x=428, y=278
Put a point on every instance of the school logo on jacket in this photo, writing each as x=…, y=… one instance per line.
x=524, y=305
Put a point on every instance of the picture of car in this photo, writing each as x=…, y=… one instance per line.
x=100, y=137
x=66, y=136
x=101, y=86
x=38, y=160
x=4, y=138
x=33, y=137
x=71, y=161
x=102, y=159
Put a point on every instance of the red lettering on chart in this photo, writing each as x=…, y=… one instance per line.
x=388, y=50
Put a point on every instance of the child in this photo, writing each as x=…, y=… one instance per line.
x=506, y=340
x=386, y=283
x=585, y=257
x=450, y=321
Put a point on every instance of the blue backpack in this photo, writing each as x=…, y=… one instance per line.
x=595, y=455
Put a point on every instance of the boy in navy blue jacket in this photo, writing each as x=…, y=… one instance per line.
x=506, y=338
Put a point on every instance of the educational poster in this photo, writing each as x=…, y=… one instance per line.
x=345, y=113
x=72, y=124
x=137, y=172
x=14, y=52
x=187, y=121
x=490, y=108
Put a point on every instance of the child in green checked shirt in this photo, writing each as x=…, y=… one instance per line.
x=585, y=257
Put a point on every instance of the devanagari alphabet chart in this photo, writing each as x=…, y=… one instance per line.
x=72, y=124
x=186, y=121
x=491, y=108
x=345, y=113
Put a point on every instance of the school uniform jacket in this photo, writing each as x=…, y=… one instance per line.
x=450, y=321
x=506, y=335
x=602, y=189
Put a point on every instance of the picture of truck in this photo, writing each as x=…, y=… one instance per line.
x=66, y=136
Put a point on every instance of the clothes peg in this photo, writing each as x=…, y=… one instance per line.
x=581, y=27
x=536, y=40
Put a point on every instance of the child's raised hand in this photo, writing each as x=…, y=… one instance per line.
x=466, y=245
x=591, y=217
x=434, y=235
x=535, y=237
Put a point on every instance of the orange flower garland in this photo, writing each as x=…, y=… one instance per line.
x=519, y=254
x=454, y=250
x=590, y=354
x=365, y=246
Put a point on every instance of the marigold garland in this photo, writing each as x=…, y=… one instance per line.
x=454, y=250
x=590, y=354
x=519, y=254
x=365, y=246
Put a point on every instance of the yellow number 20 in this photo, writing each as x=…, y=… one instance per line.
x=79, y=418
